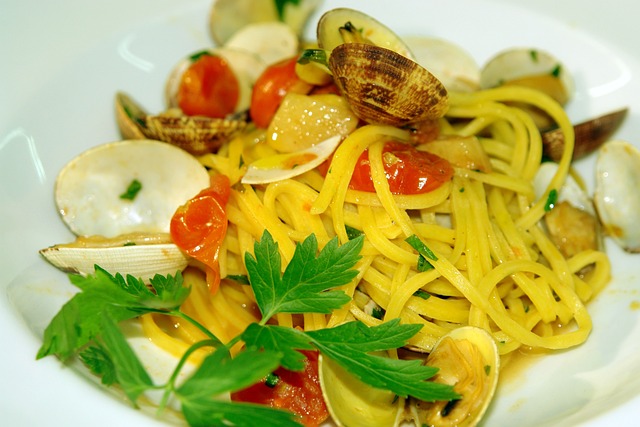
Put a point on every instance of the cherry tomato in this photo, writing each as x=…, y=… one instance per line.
x=408, y=170
x=272, y=85
x=297, y=392
x=199, y=226
x=209, y=87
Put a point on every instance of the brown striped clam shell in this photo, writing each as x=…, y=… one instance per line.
x=385, y=87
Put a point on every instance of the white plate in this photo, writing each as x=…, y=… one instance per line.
x=63, y=62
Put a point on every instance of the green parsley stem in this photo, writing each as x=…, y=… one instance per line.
x=171, y=382
x=197, y=324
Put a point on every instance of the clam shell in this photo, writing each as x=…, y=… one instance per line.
x=616, y=193
x=522, y=63
x=353, y=403
x=468, y=359
x=140, y=261
x=374, y=32
x=88, y=189
x=385, y=87
x=589, y=135
x=194, y=134
x=451, y=64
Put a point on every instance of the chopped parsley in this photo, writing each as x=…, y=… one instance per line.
x=132, y=190
x=552, y=199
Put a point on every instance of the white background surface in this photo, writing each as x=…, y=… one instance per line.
x=38, y=41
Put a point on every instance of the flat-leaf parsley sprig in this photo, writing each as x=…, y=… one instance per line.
x=88, y=326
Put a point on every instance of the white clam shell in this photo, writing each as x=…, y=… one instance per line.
x=288, y=165
x=616, y=195
x=140, y=261
x=88, y=189
x=270, y=41
x=451, y=64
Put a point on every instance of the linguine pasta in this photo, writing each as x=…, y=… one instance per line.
x=496, y=267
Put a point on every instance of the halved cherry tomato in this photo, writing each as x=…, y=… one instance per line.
x=296, y=391
x=272, y=85
x=199, y=226
x=209, y=87
x=408, y=170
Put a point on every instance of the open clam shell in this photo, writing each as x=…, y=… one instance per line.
x=344, y=25
x=451, y=64
x=194, y=134
x=89, y=189
x=352, y=403
x=616, y=193
x=385, y=87
x=468, y=359
x=140, y=256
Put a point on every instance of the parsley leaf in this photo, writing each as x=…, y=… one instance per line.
x=304, y=286
x=280, y=7
x=219, y=373
x=132, y=190
x=350, y=343
x=80, y=319
x=279, y=338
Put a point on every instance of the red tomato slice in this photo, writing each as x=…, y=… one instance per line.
x=209, y=87
x=297, y=392
x=199, y=226
x=408, y=170
x=272, y=85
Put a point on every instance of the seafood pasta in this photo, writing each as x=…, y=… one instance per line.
x=494, y=265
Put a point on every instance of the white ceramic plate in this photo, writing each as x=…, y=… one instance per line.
x=63, y=62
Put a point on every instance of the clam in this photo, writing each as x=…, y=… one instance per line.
x=571, y=222
x=352, y=403
x=385, y=87
x=448, y=62
x=119, y=199
x=532, y=68
x=288, y=165
x=468, y=359
x=270, y=41
x=344, y=25
x=589, y=135
x=616, y=193
x=195, y=134
x=227, y=17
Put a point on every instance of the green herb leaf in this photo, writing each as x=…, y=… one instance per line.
x=132, y=190
x=210, y=412
x=425, y=253
x=127, y=368
x=313, y=55
x=280, y=7
x=99, y=363
x=281, y=339
x=79, y=320
x=219, y=373
x=350, y=343
x=304, y=286
x=552, y=199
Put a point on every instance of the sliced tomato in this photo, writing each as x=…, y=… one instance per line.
x=408, y=170
x=199, y=226
x=272, y=85
x=296, y=391
x=208, y=87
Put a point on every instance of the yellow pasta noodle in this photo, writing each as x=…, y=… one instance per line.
x=496, y=268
